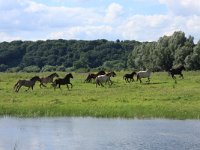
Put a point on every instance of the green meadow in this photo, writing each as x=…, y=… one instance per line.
x=161, y=98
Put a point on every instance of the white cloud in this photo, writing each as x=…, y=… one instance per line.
x=113, y=12
x=29, y=20
x=183, y=7
x=148, y=28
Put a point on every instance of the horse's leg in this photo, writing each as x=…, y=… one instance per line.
x=67, y=86
x=110, y=82
x=71, y=85
x=54, y=85
x=17, y=88
x=28, y=88
x=182, y=76
x=140, y=80
x=41, y=84
x=173, y=76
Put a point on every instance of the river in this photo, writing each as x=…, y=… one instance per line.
x=76, y=133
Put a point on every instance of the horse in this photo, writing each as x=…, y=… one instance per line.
x=144, y=74
x=177, y=71
x=93, y=76
x=105, y=78
x=129, y=77
x=48, y=79
x=27, y=83
x=63, y=81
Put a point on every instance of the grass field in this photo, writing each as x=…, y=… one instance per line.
x=162, y=98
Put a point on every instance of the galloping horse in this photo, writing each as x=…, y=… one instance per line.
x=48, y=79
x=175, y=71
x=129, y=77
x=144, y=74
x=27, y=83
x=93, y=76
x=64, y=81
x=105, y=78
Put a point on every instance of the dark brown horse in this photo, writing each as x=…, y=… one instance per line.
x=177, y=71
x=64, y=81
x=48, y=79
x=27, y=83
x=129, y=77
x=93, y=76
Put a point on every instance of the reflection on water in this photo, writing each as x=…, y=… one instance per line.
x=98, y=134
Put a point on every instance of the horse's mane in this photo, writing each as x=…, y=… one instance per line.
x=52, y=74
x=35, y=77
x=68, y=75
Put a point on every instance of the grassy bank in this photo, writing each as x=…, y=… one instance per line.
x=162, y=98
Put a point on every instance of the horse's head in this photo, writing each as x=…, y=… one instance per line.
x=182, y=67
x=56, y=75
x=69, y=75
x=134, y=73
x=113, y=74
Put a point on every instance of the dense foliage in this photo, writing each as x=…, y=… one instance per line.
x=168, y=51
x=52, y=55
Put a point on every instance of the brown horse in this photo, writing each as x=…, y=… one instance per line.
x=48, y=79
x=93, y=76
x=63, y=81
x=27, y=83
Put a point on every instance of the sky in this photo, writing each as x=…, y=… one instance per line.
x=141, y=20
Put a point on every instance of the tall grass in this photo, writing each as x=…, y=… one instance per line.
x=162, y=98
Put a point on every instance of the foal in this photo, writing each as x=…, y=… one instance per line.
x=129, y=77
x=64, y=81
x=27, y=83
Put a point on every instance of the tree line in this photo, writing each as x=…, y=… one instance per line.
x=62, y=55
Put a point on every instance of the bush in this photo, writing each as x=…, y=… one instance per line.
x=31, y=69
x=14, y=69
x=48, y=68
x=3, y=67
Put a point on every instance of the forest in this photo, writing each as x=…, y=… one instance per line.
x=82, y=55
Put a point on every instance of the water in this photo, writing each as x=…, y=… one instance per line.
x=98, y=134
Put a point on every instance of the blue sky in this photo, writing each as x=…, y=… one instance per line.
x=142, y=20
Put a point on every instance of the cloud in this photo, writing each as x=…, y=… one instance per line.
x=30, y=20
x=149, y=28
x=182, y=7
x=113, y=11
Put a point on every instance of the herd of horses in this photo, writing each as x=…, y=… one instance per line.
x=99, y=78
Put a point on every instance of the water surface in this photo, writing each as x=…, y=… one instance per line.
x=98, y=134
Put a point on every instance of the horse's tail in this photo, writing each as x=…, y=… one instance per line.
x=14, y=88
